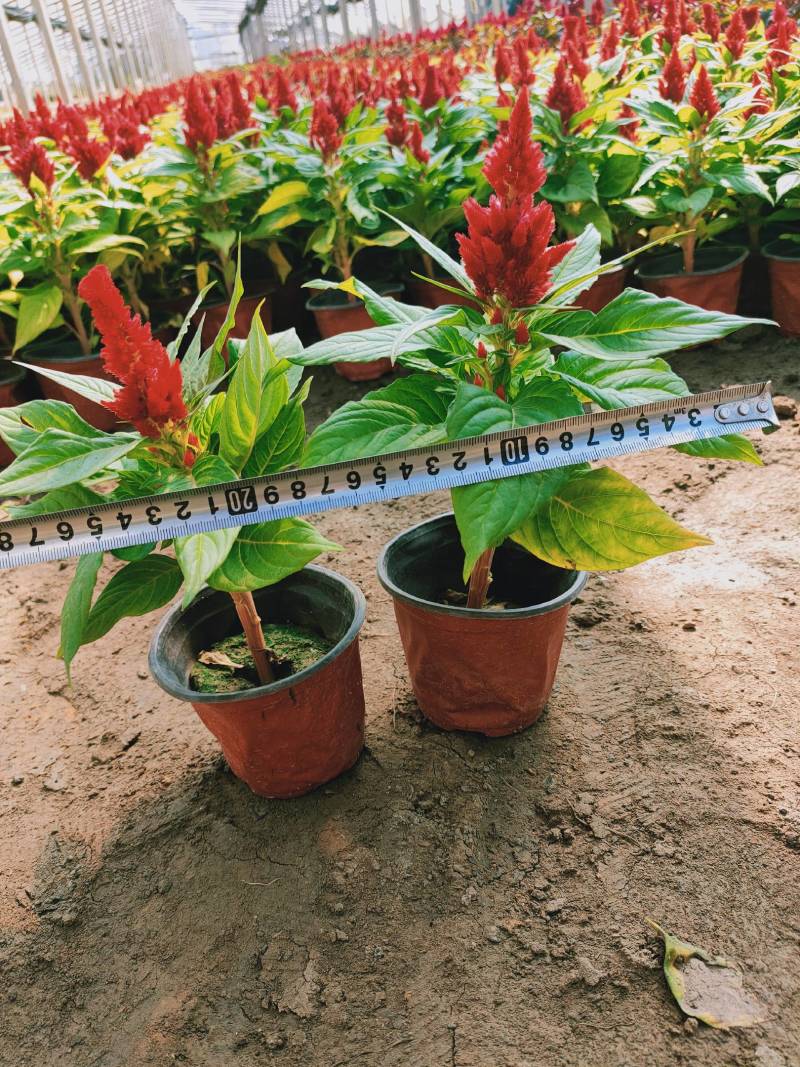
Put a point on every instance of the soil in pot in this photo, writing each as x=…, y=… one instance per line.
x=714, y=284
x=228, y=667
x=67, y=358
x=433, y=296
x=603, y=290
x=783, y=258
x=12, y=392
x=286, y=738
x=246, y=309
x=334, y=313
x=489, y=670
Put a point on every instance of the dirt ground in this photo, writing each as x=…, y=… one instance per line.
x=452, y=901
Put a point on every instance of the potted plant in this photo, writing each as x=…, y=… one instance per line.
x=55, y=234
x=284, y=699
x=689, y=178
x=12, y=394
x=481, y=596
x=335, y=186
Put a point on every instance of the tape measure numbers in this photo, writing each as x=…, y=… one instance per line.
x=297, y=493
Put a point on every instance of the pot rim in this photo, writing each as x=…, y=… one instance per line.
x=381, y=288
x=192, y=696
x=544, y=608
x=741, y=255
x=11, y=373
x=765, y=251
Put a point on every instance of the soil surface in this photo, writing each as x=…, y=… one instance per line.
x=452, y=901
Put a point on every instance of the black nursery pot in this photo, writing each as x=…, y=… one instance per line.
x=286, y=738
x=486, y=670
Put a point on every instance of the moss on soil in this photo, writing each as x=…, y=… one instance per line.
x=291, y=649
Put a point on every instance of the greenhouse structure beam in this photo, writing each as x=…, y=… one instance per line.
x=46, y=31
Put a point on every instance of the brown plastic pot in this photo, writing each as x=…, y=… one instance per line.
x=604, y=289
x=487, y=671
x=433, y=296
x=334, y=313
x=783, y=258
x=714, y=284
x=246, y=309
x=292, y=736
x=63, y=360
x=12, y=393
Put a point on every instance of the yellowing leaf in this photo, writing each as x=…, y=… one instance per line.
x=600, y=521
x=283, y=194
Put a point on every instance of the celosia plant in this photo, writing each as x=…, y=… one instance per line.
x=185, y=432
x=478, y=372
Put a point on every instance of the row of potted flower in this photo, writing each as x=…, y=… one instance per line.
x=264, y=644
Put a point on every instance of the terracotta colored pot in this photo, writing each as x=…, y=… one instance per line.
x=432, y=296
x=289, y=737
x=784, y=278
x=714, y=284
x=12, y=392
x=246, y=309
x=603, y=290
x=481, y=670
x=335, y=314
x=59, y=360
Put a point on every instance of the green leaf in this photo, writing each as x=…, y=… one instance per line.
x=618, y=174
x=199, y=555
x=641, y=324
x=38, y=309
x=732, y=446
x=77, y=605
x=96, y=389
x=230, y=319
x=205, y=420
x=70, y=496
x=383, y=310
x=455, y=270
x=282, y=444
x=265, y=553
x=44, y=415
x=379, y=342
x=408, y=413
x=577, y=185
x=137, y=589
x=59, y=458
x=620, y=383
x=239, y=420
x=741, y=177
x=91, y=245
x=282, y=195
x=577, y=270
x=489, y=512
x=599, y=521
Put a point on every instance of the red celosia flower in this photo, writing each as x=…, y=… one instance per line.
x=200, y=120
x=780, y=53
x=703, y=98
x=28, y=160
x=282, y=93
x=630, y=128
x=711, y=23
x=523, y=75
x=609, y=45
x=502, y=63
x=415, y=143
x=397, y=130
x=505, y=251
x=521, y=333
x=240, y=106
x=736, y=35
x=150, y=396
x=514, y=167
x=673, y=29
x=761, y=104
x=631, y=19
x=432, y=91
x=673, y=83
x=597, y=12
x=90, y=155
x=565, y=96
x=324, y=133
x=751, y=16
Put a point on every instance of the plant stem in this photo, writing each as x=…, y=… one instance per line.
x=480, y=579
x=688, y=244
x=254, y=635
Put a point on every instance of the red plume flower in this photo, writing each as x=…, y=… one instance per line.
x=150, y=394
x=631, y=19
x=514, y=166
x=576, y=62
x=324, y=133
x=432, y=91
x=505, y=251
x=90, y=155
x=761, y=104
x=597, y=12
x=418, y=149
x=672, y=85
x=199, y=118
x=609, y=45
x=565, y=96
x=502, y=63
x=397, y=130
x=28, y=160
x=703, y=98
x=751, y=16
x=672, y=30
x=523, y=75
x=282, y=93
x=711, y=23
x=736, y=35
x=630, y=128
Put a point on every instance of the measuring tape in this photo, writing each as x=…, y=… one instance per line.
x=296, y=493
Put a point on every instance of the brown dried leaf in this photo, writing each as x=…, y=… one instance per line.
x=708, y=988
x=218, y=659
